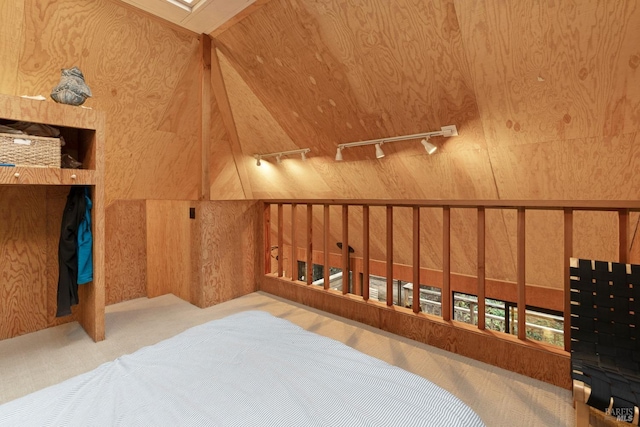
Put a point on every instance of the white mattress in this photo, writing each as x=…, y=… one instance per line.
x=248, y=369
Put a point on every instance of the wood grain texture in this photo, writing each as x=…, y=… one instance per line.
x=552, y=71
x=126, y=251
x=168, y=248
x=205, y=117
x=230, y=245
x=137, y=68
x=534, y=360
x=23, y=260
x=222, y=100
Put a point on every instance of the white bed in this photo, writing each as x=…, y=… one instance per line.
x=248, y=369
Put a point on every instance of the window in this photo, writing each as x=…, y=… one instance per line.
x=317, y=279
x=542, y=324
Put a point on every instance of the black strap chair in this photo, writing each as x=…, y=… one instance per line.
x=605, y=339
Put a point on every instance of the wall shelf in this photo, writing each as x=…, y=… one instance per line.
x=32, y=201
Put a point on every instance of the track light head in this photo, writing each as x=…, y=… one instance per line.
x=258, y=160
x=379, y=152
x=339, y=155
x=428, y=146
x=303, y=156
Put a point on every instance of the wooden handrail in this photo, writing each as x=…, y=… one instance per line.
x=576, y=205
x=361, y=285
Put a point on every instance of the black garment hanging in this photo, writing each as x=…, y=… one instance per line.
x=74, y=211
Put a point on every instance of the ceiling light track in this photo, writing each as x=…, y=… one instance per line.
x=445, y=131
x=278, y=155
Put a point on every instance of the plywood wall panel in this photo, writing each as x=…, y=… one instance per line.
x=225, y=180
x=229, y=247
x=551, y=71
x=168, y=248
x=126, y=244
x=23, y=261
x=141, y=75
x=11, y=38
x=358, y=79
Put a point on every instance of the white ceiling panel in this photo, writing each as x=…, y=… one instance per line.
x=203, y=17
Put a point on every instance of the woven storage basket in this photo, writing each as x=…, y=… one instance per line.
x=27, y=150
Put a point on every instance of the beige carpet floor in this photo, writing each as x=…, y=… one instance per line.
x=501, y=398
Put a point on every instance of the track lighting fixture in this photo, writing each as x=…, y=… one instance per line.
x=428, y=146
x=446, y=131
x=302, y=151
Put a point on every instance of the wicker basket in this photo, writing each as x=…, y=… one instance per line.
x=27, y=150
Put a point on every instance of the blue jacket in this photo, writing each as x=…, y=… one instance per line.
x=85, y=244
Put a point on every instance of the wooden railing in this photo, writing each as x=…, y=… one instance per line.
x=521, y=207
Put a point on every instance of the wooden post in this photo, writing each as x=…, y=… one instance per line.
x=481, y=268
x=267, y=238
x=280, y=240
x=205, y=111
x=623, y=236
x=327, y=234
x=568, y=252
x=446, y=263
x=309, y=273
x=522, y=301
x=294, y=245
x=389, y=255
x=365, y=252
x=345, y=249
x=416, y=259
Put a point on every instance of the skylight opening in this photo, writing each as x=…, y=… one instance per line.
x=184, y=4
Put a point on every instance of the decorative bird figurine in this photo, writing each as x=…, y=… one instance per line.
x=72, y=89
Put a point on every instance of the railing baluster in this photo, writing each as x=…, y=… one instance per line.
x=623, y=233
x=481, y=268
x=267, y=238
x=416, y=259
x=365, y=252
x=568, y=252
x=280, y=240
x=522, y=304
x=327, y=234
x=294, y=252
x=309, y=273
x=389, y=255
x=446, y=263
x=345, y=249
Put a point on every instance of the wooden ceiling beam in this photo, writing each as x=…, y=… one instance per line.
x=222, y=99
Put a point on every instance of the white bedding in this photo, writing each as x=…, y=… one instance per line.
x=248, y=369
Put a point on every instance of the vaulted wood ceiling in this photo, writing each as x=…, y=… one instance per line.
x=546, y=97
